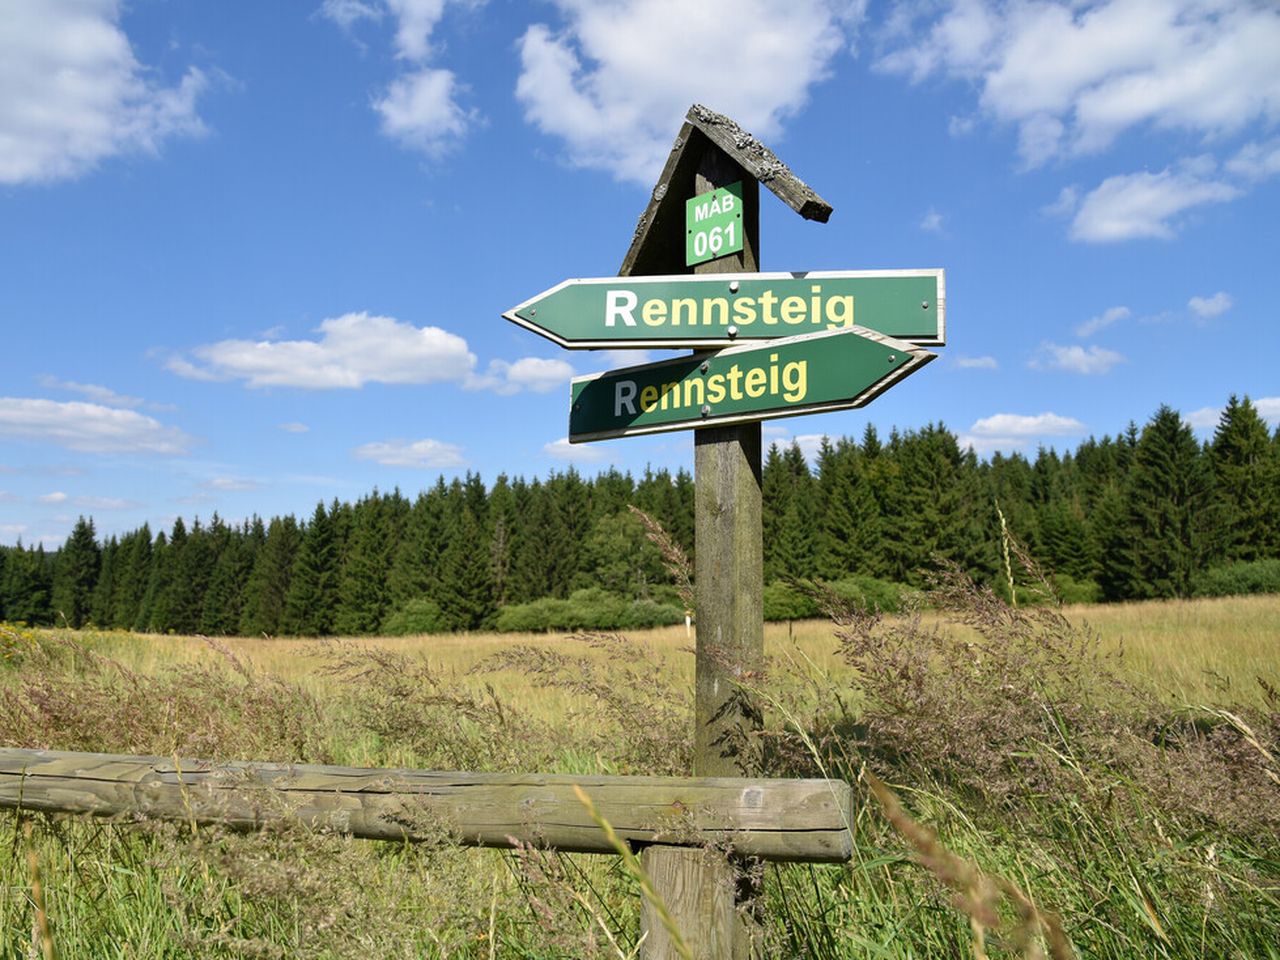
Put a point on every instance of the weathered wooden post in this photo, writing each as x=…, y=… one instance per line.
x=712, y=898
x=778, y=345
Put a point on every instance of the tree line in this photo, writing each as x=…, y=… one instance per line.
x=1139, y=515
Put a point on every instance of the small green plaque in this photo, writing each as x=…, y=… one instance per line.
x=713, y=224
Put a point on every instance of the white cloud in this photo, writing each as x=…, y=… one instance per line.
x=73, y=93
x=100, y=394
x=810, y=444
x=357, y=348
x=977, y=363
x=1075, y=358
x=1003, y=431
x=1075, y=74
x=1268, y=409
x=616, y=80
x=14, y=530
x=528, y=373
x=346, y=13
x=932, y=222
x=411, y=453
x=106, y=503
x=1204, y=418
x=1256, y=161
x=1102, y=321
x=1138, y=205
x=56, y=496
x=352, y=350
x=622, y=358
x=88, y=427
x=294, y=427
x=1207, y=417
x=562, y=449
x=1022, y=425
x=960, y=126
x=1065, y=205
x=1208, y=307
x=420, y=108
x=230, y=484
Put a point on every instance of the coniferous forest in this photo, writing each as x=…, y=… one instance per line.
x=1146, y=514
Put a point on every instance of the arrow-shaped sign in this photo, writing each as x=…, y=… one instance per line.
x=832, y=370
x=716, y=310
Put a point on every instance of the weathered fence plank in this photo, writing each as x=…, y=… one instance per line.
x=791, y=820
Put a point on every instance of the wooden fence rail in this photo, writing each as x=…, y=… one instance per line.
x=771, y=819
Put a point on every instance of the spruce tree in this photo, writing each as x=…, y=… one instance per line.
x=223, y=600
x=151, y=617
x=850, y=520
x=313, y=589
x=467, y=599
x=1245, y=504
x=775, y=500
x=795, y=526
x=28, y=585
x=134, y=575
x=268, y=583
x=1165, y=499
x=76, y=574
x=415, y=568
x=193, y=569
x=364, y=597
x=503, y=530
x=102, y=607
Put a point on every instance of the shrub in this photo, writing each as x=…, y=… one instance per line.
x=795, y=600
x=1235, y=579
x=588, y=609
x=419, y=615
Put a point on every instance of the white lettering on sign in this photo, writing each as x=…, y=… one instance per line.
x=706, y=209
x=832, y=310
x=619, y=304
x=624, y=395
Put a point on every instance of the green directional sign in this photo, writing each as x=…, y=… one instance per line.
x=831, y=370
x=708, y=311
x=713, y=224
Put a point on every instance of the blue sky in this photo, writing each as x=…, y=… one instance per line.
x=253, y=255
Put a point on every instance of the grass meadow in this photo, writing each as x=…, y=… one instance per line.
x=1093, y=781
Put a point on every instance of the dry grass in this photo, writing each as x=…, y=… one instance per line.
x=1192, y=651
x=1150, y=827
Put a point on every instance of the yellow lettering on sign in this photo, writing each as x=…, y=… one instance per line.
x=793, y=310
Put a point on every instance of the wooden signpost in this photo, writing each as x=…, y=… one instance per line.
x=785, y=344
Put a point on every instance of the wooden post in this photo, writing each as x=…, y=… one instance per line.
x=712, y=899
x=728, y=543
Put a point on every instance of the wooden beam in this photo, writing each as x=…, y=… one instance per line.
x=791, y=820
x=759, y=161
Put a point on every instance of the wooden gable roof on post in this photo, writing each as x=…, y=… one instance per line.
x=656, y=247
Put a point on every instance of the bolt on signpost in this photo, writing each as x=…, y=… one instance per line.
x=773, y=345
